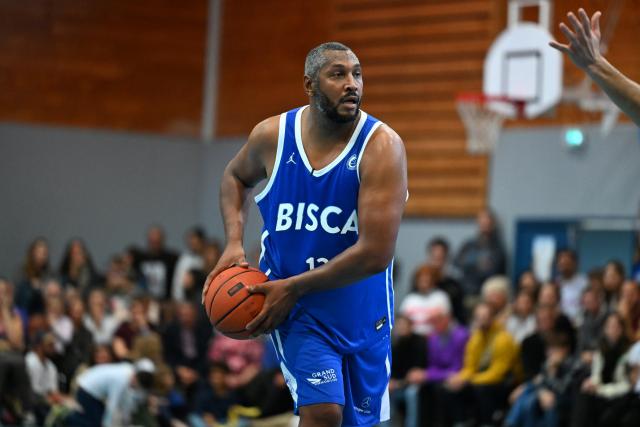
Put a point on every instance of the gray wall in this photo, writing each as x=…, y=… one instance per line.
x=533, y=174
x=108, y=188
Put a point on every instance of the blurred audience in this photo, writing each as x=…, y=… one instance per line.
x=570, y=338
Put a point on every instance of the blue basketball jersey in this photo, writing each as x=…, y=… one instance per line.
x=310, y=216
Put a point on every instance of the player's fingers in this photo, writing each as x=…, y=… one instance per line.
x=260, y=288
x=561, y=47
x=568, y=34
x=584, y=20
x=595, y=23
x=257, y=322
x=577, y=28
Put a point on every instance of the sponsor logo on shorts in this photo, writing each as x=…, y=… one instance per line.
x=323, y=377
x=365, y=406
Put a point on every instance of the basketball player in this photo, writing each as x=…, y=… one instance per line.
x=584, y=51
x=336, y=190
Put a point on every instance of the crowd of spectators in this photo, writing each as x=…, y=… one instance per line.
x=471, y=349
x=130, y=345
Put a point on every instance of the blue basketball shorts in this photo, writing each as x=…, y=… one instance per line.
x=318, y=372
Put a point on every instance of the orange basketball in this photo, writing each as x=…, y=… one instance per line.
x=229, y=304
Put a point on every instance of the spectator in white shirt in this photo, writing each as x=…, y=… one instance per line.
x=109, y=394
x=571, y=283
x=188, y=260
x=522, y=321
x=98, y=321
x=424, y=300
x=43, y=375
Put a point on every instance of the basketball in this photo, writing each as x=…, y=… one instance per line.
x=229, y=304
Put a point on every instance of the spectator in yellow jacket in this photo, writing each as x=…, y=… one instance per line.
x=490, y=361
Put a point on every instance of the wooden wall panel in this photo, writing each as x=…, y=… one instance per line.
x=118, y=64
x=416, y=56
x=264, y=45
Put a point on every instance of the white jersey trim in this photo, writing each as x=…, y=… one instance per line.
x=364, y=146
x=337, y=160
x=276, y=164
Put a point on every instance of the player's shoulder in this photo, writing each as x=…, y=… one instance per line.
x=384, y=143
x=265, y=132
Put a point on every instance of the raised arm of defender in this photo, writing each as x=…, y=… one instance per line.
x=381, y=200
x=584, y=51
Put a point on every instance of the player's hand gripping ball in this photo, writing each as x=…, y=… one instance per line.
x=229, y=304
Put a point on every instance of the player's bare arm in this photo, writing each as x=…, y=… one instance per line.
x=584, y=50
x=242, y=173
x=381, y=200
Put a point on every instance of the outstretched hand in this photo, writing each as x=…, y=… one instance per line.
x=232, y=255
x=280, y=297
x=584, y=40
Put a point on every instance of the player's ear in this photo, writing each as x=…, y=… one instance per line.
x=308, y=85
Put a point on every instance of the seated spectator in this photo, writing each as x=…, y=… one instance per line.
x=192, y=284
x=99, y=321
x=408, y=352
x=36, y=271
x=612, y=281
x=593, y=315
x=108, y=394
x=496, y=293
x=15, y=393
x=242, y=357
x=214, y=398
x=595, y=279
x=549, y=295
x=546, y=400
x=137, y=326
x=608, y=381
x=59, y=324
x=438, y=258
x=528, y=283
x=479, y=390
x=482, y=256
x=43, y=375
x=77, y=268
x=185, y=344
x=626, y=412
x=78, y=350
x=446, y=346
x=522, y=321
x=629, y=308
x=571, y=283
x=118, y=286
x=534, y=347
x=188, y=260
x=419, y=305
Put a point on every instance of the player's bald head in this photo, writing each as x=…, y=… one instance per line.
x=320, y=55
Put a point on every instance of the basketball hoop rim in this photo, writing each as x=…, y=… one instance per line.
x=482, y=99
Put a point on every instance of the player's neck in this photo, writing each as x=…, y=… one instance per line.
x=323, y=130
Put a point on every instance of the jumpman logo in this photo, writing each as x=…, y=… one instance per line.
x=291, y=159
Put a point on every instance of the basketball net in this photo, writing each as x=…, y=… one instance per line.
x=483, y=117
